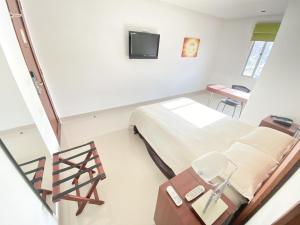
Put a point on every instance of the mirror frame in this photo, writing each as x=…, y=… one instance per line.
x=14, y=162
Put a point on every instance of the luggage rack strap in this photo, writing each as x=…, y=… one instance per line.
x=34, y=170
x=70, y=149
x=75, y=165
x=32, y=161
x=76, y=174
x=62, y=194
x=74, y=156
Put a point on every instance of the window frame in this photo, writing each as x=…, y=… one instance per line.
x=258, y=60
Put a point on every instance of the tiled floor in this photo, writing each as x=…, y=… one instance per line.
x=130, y=189
x=84, y=127
x=132, y=182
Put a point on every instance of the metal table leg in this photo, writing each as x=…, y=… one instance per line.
x=210, y=99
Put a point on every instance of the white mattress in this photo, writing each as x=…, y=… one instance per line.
x=181, y=130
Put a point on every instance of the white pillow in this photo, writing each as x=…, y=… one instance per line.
x=253, y=165
x=270, y=141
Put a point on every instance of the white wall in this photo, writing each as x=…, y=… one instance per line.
x=19, y=205
x=14, y=112
x=277, y=91
x=233, y=51
x=82, y=48
x=284, y=199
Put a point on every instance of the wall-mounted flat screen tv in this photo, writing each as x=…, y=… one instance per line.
x=143, y=45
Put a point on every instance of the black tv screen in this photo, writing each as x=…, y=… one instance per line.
x=143, y=45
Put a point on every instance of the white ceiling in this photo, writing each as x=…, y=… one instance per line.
x=231, y=9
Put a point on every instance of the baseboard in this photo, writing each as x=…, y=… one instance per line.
x=89, y=114
x=17, y=130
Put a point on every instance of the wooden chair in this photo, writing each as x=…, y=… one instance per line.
x=95, y=173
x=38, y=175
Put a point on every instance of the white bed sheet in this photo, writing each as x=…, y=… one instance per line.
x=181, y=130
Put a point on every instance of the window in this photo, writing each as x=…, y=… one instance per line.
x=257, y=59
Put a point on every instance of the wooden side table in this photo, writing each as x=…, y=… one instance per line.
x=167, y=213
x=268, y=122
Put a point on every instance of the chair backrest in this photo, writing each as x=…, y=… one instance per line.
x=241, y=88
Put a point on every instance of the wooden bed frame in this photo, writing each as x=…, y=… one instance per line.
x=286, y=168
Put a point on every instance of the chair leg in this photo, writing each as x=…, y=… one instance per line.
x=241, y=110
x=218, y=105
x=223, y=107
x=240, y=113
x=234, y=111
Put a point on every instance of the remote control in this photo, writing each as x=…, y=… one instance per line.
x=174, y=196
x=194, y=193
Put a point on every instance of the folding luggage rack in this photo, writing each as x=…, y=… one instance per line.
x=37, y=179
x=95, y=173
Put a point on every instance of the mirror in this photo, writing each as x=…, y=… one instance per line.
x=22, y=139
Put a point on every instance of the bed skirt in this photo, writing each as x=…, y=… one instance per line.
x=163, y=167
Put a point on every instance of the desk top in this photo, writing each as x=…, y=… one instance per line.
x=228, y=92
x=185, y=182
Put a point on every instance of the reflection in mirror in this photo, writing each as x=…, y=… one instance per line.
x=22, y=138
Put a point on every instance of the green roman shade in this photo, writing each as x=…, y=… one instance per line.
x=265, y=31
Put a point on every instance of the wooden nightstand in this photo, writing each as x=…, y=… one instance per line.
x=268, y=122
x=167, y=213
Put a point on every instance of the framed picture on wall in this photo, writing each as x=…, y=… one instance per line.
x=190, y=47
